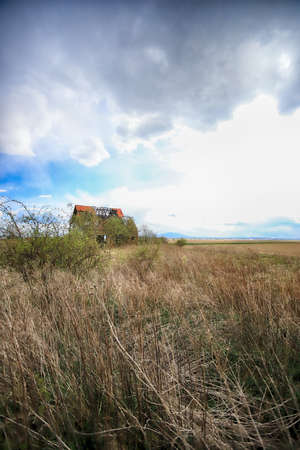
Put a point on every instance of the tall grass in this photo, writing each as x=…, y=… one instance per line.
x=169, y=348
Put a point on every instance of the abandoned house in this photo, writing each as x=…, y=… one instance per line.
x=99, y=218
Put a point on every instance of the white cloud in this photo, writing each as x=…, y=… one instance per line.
x=245, y=170
x=26, y=119
x=45, y=196
x=60, y=117
x=157, y=56
x=3, y=190
x=90, y=152
x=285, y=63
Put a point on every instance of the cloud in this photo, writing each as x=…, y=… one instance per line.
x=66, y=79
x=133, y=130
x=198, y=87
x=3, y=190
x=45, y=196
x=26, y=118
x=276, y=228
x=226, y=178
x=52, y=125
x=90, y=152
x=153, y=127
x=157, y=56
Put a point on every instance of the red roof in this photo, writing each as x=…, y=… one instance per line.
x=81, y=208
x=119, y=212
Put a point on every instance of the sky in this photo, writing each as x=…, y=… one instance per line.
x=185, y=114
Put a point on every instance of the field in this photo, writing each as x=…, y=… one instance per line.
x=159, y=347
x=286, y=247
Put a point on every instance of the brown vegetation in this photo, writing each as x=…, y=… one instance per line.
x=286, y=248
x=161, y=348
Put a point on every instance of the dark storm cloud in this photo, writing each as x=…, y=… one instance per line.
x=190, y=60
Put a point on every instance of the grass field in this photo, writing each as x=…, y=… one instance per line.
x=271, y=247
x=161, y=347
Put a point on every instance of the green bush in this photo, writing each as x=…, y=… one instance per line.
x=131, y=228
x=120, y=231
x=116, y=231
x=40, y=241
x=181, y=242
x=77, y=252
x=87, y=223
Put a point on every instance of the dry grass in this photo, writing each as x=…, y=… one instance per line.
x=285, y=248
x=181, y=348
x=274, y=248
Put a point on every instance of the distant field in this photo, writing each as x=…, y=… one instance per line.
x=287, y=248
